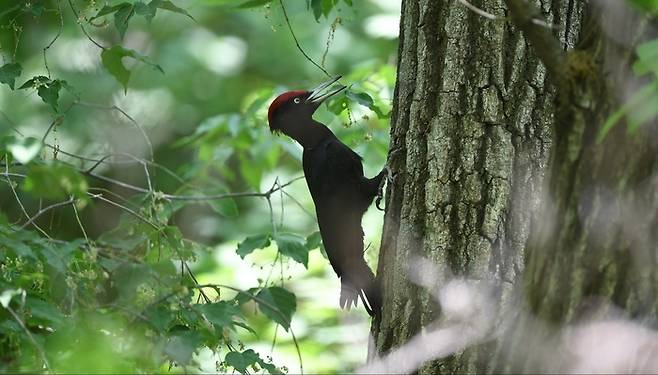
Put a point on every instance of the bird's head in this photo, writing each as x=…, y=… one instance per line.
x=293, y=109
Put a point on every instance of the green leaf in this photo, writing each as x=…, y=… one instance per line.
x=47, y=89
x=316, y=6
x=9, y=73
x=253, y=4
x=112, y=60
x=242, y=361
x=647, y=58
x=107, y=9
x=251, y=171
x=60, y=257
x=23, y=149
x=160, y=317
x=314, y=240
x=122, y=18
x=220, y=314
x=365, y=100
x=55, y=182
x=181, y=347
x=44, y=313
x=252, y=243
x=643, y=95
x=293, y=246
x=327, y=6
x=146, y=11
x=225, y=206
x=49, y=93
x=278, y=304
x=168, y=5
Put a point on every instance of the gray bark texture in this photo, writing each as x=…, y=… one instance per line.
x=498, y=174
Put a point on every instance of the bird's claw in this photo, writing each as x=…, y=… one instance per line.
x=380, y=189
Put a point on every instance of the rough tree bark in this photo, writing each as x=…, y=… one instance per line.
x=498, y=174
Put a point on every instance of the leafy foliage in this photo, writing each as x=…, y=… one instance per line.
x=112, y=60
x=118, y=209
x=642, y=106
x=9, y=72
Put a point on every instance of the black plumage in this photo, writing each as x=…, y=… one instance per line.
x=341, y=193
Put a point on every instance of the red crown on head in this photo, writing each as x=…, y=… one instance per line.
x=278, y=102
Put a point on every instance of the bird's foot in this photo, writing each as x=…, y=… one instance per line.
x=380, y=189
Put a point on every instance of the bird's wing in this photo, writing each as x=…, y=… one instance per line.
x=338, y=205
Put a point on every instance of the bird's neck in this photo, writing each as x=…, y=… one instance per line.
x=310, y=134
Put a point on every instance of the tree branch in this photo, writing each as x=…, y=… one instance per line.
x=546, y=46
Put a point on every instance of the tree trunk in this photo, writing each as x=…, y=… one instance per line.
x=475, y=121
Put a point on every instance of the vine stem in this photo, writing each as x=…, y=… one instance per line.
x=299, y=47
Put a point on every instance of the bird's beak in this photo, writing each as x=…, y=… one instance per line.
x=324, y=91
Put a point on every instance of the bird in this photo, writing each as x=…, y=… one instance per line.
x=340, y=191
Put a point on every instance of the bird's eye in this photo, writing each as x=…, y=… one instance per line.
x=296, y=100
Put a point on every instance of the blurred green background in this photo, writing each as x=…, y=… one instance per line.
x=205, y=119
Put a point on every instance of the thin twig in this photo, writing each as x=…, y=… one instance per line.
x=126, y=115
x=299, y=204
x=59, y=32
x=84, y=31
x=492, y=17
x=44, y=210
x=82, y=228
x=546, y=46
x=20, y=322
x=18, y=200
x=57, y=121
x=299, y=47
x=266, y=194
x=127, y=209
x=478, y=10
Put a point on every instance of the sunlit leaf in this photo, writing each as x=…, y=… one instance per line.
x=220, y=314
x=644, y=95
x=647, y=61
x=112, y=60
x=293, y=246
x=278, y=304
x=182, y=346
x=365, y=100
x=7, y=295
x=252, y=243
x=314, y=240
x=56, y=181
x=23, y=149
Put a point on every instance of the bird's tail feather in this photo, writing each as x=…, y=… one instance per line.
x=360, y=283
